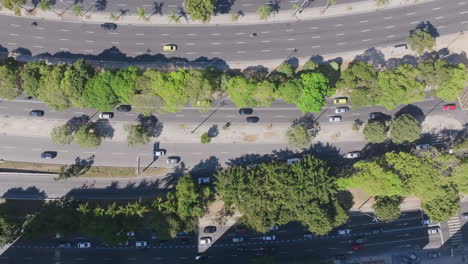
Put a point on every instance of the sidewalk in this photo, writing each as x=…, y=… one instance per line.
x=226, y=19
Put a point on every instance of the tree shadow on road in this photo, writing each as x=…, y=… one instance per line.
x=104, y=128
x=206, y=167
x=76, y=122
x=413, y=111
x=151, y=124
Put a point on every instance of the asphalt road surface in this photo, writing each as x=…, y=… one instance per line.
x=233, y=43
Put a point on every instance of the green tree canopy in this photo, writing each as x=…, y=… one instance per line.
x=51, y=91
x=360, y=80
x=9, y=79
x=123, y=83
x=315, y=88
x=298, y=137
x=443, y=207
x=286, y=68
x=87, y=137
x=265, y=93
x=205, y=138
x=199, y=89
x=201, y=10
x=74, y=81
x=376, y=131
x=387, y=208
x=241, y=91
x=276, y=193
x=62, y=135
x=291, y=91
x=31, y=77
x=171, y=87
x=14, y=5
x=421, y=39
x=98, y=92
x=136, y=135
x=405, y=129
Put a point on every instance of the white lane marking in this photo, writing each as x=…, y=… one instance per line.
x=365, y=30
x=139, y=43
x=191, y=53
x=13, y=34
x=64, y=30
x=179, y=115
x=89, y=41
x=388, y=17
x=14, y=44
x=412, y=13
x=140, y=34
x=440, y=27
x=117, y=153
x=191, y=34
x=164, y=34
x=40, y=28
x=461, y=3
x=38, y=37
x=291, y=39
x=64, y=49
x=341, y=43
x=240, y=51
x=36, y=149
x=363, y=21
x=314, y=27
x=63, y=39
x=414, y=22
x=113, y=33
x=240, y=33
x=115, y=42
x=215, y=34
x=314, y=37
x=14, y=25
x=314, y=47
x=365, y=40
x=190, y=44
x=265, y=50
x=338, y=25
x=464, y=12
x=216, y=52
x=290, y=48
x=265, y=41
x=436, y=8
x=40, y=47
x=340, y=34
x=265, y=32
x=89, y=152
x=439, y=17
x=215, y=43
x=390, y=36
x=90, y=32
x=240, y=42
x=289, y=30
x=390, y=27
x=8, y=147
x=463, y=22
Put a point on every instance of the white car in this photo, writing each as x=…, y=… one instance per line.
x=237, y=239
x=205, y=240
x=204, y=180
x=334, y=119
x=159, y=153
x=353, y=155
x=273, y=228
x=465, y=216
x=423, y=146
x=433, y=231
x=106, y=115
x=83, y=245
x=341, y=110
x=426, y=222
x=291, y=161
x=141, y=244
x=344, y=232
x=269, y=238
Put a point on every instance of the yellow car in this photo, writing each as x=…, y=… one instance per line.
x=340, y=100
x=170, y=47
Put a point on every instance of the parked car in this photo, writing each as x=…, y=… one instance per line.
x=49, y=154
x=376, y=115
x=291, y=161
x=269, y=238
x=334, y=119
x=414, y=258
x=123, y=108
x=106, y=115
x=83, y=245
x=109, y=26
x=141, y=244
x=36, y=113
x=131, y=234
x=170, y=47
x=423, y=146
x=340, y=100
x=353, y=155
x=449, y=107
x=465, y=216
x=252, y=119
x=341, y=110
x=376, y=231
x=237, y=239
x=204, y=180
x=245, y=111
x=273, y=228
x=426, y=222
x=159, y=153
x=356, y=247
x=344, y=232
x=173, y=160
x=433, y=231
x=205, y=240
x=308, y=236
x=209, y=229
x=65, y=245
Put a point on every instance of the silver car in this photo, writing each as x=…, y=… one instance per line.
x=423, y=146
x=173, y=160
x=106, y=115
x=334, y=119
x=341, y=110
x=353, y=155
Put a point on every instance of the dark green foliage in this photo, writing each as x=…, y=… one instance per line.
x=276, y=193
x=74, y=82
x=123, y=83
x=298, y=137
x=205, y=138
x=420, y=40
x=387, y=208
x=405, y=129
x=31, y=77
x=201, y=10
x=87, y=136
x=315, y=88
x=9, y=79
x=376, y=131
x=286, y=68
x=136, y=135
x=99, y=93
x=360, y=80
x=291, y=91
x=62, y=135
x=14, y=5
x=51, y=91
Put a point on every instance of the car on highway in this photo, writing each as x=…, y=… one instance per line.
x=159, y=153
x=83, y=245
x=205, y=240
x=49, y=154
x=109, y=26
x=433, y=231
x=426, y=222
x=209, y=229
x=309, y=236
x=269, y=238
x=273, y=228
x=252, y=119
x=170, y=47
x=141, y=244
x=356, y=247
x=344, y=232
x=204, y=180
x=291, y=161
x=245, y=111
x=376, y=230
x=201, y=256
x=422, y=146
x=434, y=255
x=130, y=234
x=173, y=160
x=353, y=155
x=123, y=108
x=106, y=115
x=65, y=245
x=238, y=239
x=376, y=115
x=334, y=119
x=341, y=110
x=340, y=100
x=449, y=107
x=465, y=216
x=36, y=113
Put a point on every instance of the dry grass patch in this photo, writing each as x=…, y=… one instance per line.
x=250, y=138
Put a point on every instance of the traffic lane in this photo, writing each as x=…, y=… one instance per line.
x=238, y=50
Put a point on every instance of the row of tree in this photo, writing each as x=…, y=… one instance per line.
x=403, y=85
x=403, y=129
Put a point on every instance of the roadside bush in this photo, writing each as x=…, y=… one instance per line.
x=87, y=137
x=205, y=138
x=405, y=129
x=298, y=137
x=62, y=135
x=375, y=131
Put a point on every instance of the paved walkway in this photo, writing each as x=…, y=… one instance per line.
x=247, y=18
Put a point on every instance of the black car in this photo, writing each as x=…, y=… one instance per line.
x=48, y=154
x=109, y=26
x=123, y=108
x=209, y=229
x=245, y=111
x=65, y=245
x=36, y=113
x=252, y=119
x=376, y=115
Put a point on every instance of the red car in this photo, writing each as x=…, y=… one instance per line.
x=449, y=107
x=356, y=247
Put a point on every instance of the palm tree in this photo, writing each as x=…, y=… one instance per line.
x=77, y=10
x=44, y=5
x=113, y=16
x=264, y=12
x=141, y=14
x=173, y=17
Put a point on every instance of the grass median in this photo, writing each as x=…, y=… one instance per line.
x=92, y=172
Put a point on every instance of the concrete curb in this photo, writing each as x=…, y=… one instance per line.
x=246, y=19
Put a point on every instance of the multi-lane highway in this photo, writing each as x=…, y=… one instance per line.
x=233, y=43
